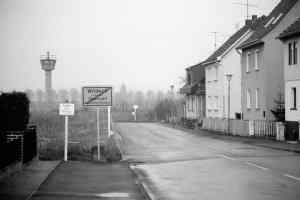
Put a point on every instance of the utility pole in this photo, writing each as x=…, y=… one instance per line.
x=247, y=5
x=229, y=77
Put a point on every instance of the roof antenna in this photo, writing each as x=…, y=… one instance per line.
x=247, y=5
x=215, y=39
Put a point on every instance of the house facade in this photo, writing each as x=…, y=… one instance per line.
x=194, y=93
x=223, y=62
x=291, y=42
x=262, y=63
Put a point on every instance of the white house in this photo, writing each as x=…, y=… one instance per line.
x=226, y=60
x=290, y=38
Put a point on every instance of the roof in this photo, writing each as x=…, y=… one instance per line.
x=271, y=21
x=229, y=42
x=214, y=56
x=292, y=30
x=194, y=66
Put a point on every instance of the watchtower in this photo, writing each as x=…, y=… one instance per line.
x=48, y=65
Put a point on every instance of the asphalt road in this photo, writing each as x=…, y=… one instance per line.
x=174, y=164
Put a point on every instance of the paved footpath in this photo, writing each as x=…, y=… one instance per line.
x=89, y=180
x=22, y=185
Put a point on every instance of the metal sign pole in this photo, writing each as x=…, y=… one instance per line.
x=108, y=121
x=66, y=138
x=98, y=134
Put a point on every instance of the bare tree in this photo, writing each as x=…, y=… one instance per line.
x=75, y=95
x=63, y=95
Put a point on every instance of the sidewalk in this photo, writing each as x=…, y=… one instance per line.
x=262, y=142
x=45, y=180
x=90, y=180
x=22, y=184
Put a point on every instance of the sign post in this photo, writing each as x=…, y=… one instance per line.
x=66, y=138
x=98, y=134
x=108, y=120
x=98, y=96
x=135, y=107
x=66, y=109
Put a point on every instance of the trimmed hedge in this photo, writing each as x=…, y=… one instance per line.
x=14, y=111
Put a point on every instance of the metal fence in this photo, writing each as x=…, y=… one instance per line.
x=18, y=146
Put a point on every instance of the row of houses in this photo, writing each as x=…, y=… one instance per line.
x=252, y=72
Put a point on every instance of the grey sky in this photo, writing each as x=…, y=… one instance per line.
x=144, y=44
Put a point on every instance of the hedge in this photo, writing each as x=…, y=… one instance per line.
x=14, y=111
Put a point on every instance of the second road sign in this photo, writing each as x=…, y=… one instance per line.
x=97, y=96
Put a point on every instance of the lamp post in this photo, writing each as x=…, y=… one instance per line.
x=229, y=77
x=135, y=107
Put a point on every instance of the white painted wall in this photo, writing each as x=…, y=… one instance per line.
x=292, y=115
x=217, y=85
x=292, y=79
x=213, y=87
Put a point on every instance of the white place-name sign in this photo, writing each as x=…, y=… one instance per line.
x=66, y=109
x=97, y=96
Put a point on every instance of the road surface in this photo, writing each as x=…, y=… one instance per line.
x=174, y=164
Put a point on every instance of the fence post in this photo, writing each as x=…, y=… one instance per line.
x=299, y=130
x=280, y=131
x=251, y=127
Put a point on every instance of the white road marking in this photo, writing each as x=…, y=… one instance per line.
x=258, y=166
x=113, y=194
x=292, y=177
x=226, y=157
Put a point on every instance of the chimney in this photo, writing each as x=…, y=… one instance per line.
x=254, y=18
x=248, y=22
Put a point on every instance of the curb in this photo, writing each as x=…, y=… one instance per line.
x=277, y=148
x=145, y=190
x=39, y=186
x=252, y=143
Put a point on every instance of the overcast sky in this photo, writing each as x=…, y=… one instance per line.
x=144, y=44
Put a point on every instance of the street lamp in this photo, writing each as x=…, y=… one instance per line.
x=229, y=77
x=135, y=107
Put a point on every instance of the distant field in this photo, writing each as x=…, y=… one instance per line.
x=50, y=127
x=82, y=132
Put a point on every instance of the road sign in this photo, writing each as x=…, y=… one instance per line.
x=66, y=109
x=97, y=96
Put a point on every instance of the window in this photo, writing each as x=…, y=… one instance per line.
x=216, y=73
x=257, y=98
x=189, y=79
x=193, y=103
x=292, y=53
x=248, y=99
x=277, y=18
x=256, y=59
x=269, y=22
x=216, y=102
x=294, y=99
x=295, y=52
x=248, y=62
x=190, y=103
